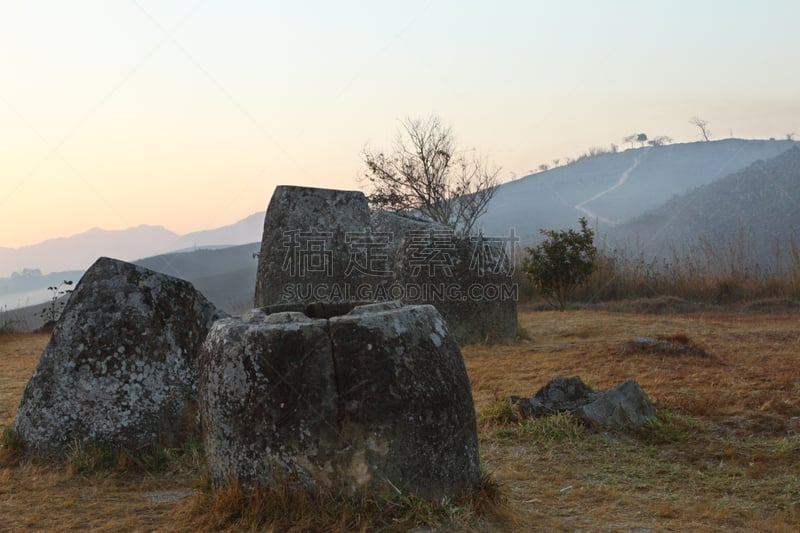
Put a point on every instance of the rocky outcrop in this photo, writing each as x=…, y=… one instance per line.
x=121, y=365
x=625, y=405
x=374, y=399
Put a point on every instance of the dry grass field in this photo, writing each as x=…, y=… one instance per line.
x=723, y=454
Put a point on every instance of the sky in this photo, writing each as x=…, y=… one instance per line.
x=187, y=114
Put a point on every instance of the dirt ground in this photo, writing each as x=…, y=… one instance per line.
x=723, y=456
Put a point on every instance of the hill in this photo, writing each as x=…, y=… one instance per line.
x=612, y=188
x=226, y=276
x=751, y=215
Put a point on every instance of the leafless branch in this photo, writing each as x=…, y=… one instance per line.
x=427, y=174
x=703, y=126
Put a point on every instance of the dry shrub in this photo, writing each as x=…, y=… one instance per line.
x=657, y=306
x=669, y=428
x=489, y=502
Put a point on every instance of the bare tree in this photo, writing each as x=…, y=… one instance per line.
x=636, y=137
x=426, y=173
x=703, y=126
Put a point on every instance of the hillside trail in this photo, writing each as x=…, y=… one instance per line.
x=591, y=215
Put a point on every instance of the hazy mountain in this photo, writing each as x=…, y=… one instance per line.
x=25, y=273
x=748, y=216
x=612, y=188
x=80, y=251
x=244, y=231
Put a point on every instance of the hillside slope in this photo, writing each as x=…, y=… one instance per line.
x=612, y=188
x=753, y=214
x=226, y=276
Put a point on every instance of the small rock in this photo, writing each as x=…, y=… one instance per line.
x=558, y=395
x=626, y=405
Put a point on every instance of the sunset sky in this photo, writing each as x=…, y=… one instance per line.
x=187, y=114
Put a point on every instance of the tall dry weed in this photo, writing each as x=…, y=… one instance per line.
x=713, y=271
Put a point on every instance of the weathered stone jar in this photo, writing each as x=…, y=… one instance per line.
x=304, y=246
x=325, y=245
x=374, y=399
x=121, y=364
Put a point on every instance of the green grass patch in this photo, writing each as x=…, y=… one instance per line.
x=100, y=457
x=558, y=428
x=669, y=428
x=498, y=413
x=11, y=446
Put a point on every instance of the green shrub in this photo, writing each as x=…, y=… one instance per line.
x=561, y=263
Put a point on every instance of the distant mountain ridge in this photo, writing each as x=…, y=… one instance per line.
x=226, y=276
x=79, y=251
